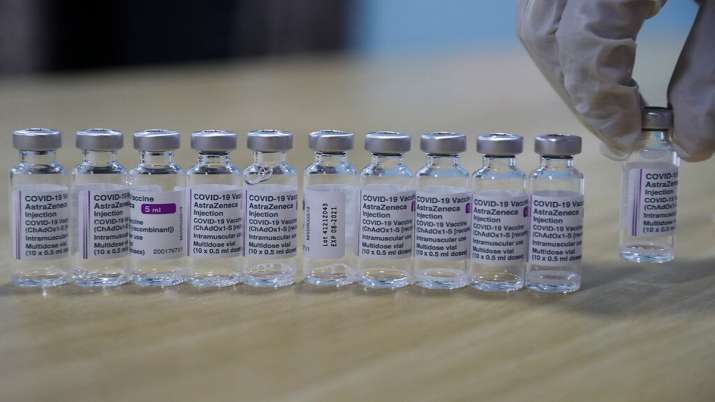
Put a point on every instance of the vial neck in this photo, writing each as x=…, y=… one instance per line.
x=330, y=158
x=437, y=161
x=99, y=158
x=156, y=158
x=556, y=162
x=499, y=163
x=656, y=138
x=38, y=157
x=213, y=158
x=386, y=161
x=269, y=158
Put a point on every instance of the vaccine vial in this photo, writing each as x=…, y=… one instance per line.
x=556, y=227
x=39, y=210
x=386, y=213
x=330, y=188
x=157, y=195
x=214, y=207
x=100, y=209
x=649, y=193
x=500, y=216
x=442, y=213
x=271, y=211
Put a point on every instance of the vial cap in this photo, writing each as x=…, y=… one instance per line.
x=156, y=140
x=500, y=144
x=99, y=139
x=657, y=118
x=557, y=145
x=443, y=142
x=269, y=141
x=214, y=140
x=331, y=141
x=387, y=142
x=37, y=139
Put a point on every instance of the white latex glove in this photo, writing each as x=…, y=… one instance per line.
x=586, y=50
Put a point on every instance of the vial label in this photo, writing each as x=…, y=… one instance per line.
x=324, y=223
x=157, y=224
x=103, y=218
x=272, y=221
x=215, y=227
x=500, y=228
x=556, y=229
x=40, y=222
x=652, y=201
x=442, y=225
x=386, y=224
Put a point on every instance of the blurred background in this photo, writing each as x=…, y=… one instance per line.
x=69, y=35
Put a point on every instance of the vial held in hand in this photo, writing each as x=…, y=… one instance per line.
x=649, y=193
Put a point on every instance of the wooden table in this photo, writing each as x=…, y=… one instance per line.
x=634, y=333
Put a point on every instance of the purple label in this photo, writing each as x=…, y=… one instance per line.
x=158, y=209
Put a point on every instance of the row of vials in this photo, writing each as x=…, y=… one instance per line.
x=215, y=225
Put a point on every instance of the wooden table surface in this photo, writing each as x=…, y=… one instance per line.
x=634, y=333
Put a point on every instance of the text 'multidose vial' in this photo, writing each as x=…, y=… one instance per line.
x=271, y=211
x=329, y=211
x=649, y=193
x=556, y=229
x=500, y=218
x=39, y=210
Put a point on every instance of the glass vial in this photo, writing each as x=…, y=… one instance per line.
x=157, y=195
x=442, y=213
x=649, y=193
x=214, y=208
x=500, y=216
x=100, y=208
x=330, y=187
x=39, y=210
x=271, y=211
x=386, y=213
x=556, y=225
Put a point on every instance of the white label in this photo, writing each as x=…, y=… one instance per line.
x=556, y=229
x=157, y=224
x=386, y=224
x=324, y=223
x=271, y=221
x=500, y=228
x=40, y=222
x=652, y=201
x=103, y=218
x=215, y=227
x=442, y=225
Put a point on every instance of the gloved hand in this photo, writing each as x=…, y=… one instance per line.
x=586, y=50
